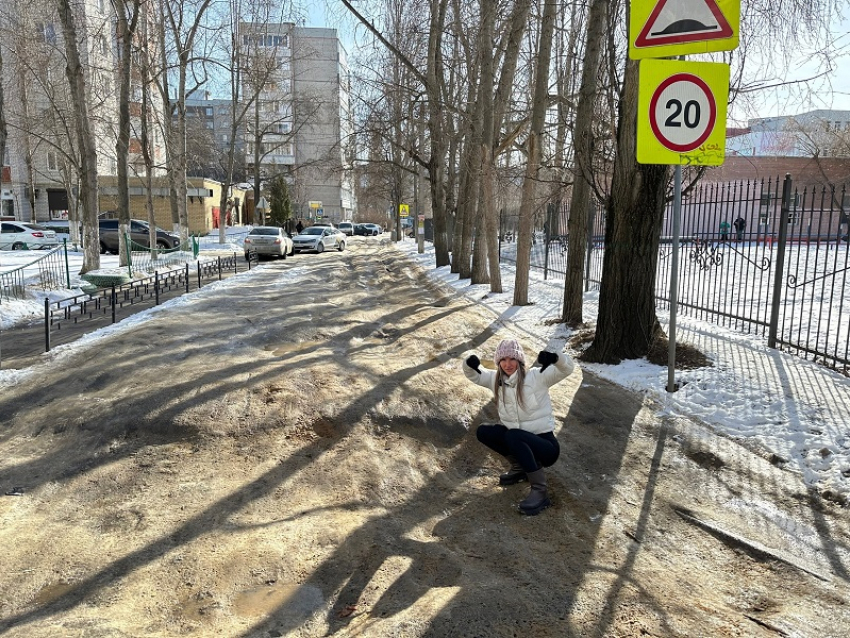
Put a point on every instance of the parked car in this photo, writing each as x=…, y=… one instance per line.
x=360, y=229
x=373, y=229
x=24, y=235
x=139, y=234
x=347, y=228
x=318, y=238
x=267, y=240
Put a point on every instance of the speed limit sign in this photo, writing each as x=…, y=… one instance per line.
x=682, y=112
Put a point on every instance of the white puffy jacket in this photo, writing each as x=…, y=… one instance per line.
x=535, y=415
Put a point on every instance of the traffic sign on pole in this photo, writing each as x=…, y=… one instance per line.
x=668, y=28
x=682, y=112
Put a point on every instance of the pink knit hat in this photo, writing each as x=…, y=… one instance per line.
x=509, y=348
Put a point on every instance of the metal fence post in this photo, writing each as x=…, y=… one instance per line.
x=501, y=231
x=156, y=286
x=67, y=268
x=219, y=267
x=47, y=324
x=785, y=209
x=199, y=274
x=129, y=254
x=547, y=232
x=187, y=276
x=114, y=302
x=591, y=222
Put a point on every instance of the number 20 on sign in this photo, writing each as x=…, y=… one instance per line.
x=682, y=112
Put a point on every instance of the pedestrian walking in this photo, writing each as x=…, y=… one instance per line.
x=299, y=227
x=724, y=230
x=525, y=433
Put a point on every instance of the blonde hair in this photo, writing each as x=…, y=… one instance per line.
x=500, y=379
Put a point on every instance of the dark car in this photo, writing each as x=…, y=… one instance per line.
x=367, y=229
x=139, y=234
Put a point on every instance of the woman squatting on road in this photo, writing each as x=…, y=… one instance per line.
x=525, y=435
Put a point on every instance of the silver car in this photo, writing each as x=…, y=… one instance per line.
x=267, y=240
x=24, y=236
x=318, y=238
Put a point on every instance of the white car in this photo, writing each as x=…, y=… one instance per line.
x=318, y=238
x=347, y=228
x=267, y=240
x=24, y=235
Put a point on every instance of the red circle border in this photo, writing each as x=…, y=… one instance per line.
x=683, y=77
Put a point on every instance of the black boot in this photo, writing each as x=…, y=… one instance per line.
x=537, y=499
x=514, y=475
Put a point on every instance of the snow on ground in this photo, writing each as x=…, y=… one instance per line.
x=763, y=398
x=15, y=312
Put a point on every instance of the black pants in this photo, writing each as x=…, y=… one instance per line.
x=532, y=451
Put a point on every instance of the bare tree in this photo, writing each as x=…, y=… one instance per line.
x=85, y=138
x=182, y=23
x=127, y=16
x=529, y=187
x=582, y=163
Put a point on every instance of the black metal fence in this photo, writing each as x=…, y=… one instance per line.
x=760, y=257
x=111, y=304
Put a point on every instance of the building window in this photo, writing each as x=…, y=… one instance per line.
x=52, y=164
x=208, y=124
x=208, y=111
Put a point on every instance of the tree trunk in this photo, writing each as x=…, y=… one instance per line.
x=627, y=324
x=582, y=165
x=126, y=31
x=529, y=186
x=487, y=208
x=436, y=164
x=85, y=138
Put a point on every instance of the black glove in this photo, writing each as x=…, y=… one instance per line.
x=474, y=362
x=545, y=359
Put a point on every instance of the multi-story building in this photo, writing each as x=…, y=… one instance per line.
x=300, y=125
x=821, y=133
x=208, y=124
x=40, y=173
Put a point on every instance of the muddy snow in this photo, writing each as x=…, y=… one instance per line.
x=297, y=457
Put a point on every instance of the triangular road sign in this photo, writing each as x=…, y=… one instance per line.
x=680, y=21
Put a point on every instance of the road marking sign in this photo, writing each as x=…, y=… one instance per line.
x=666, y=28
x=682, y=112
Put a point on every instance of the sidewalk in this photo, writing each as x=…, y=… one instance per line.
x=24, y=346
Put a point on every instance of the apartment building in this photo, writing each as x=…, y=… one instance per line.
x=301, y=124
x=39, y=176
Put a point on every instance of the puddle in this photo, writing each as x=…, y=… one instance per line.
x=52, y=592
x=291, y=600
